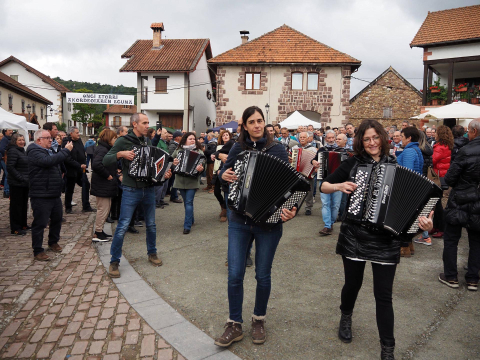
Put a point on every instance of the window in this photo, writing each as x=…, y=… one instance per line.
x=41, y=113
x=0, y=98
x=297, y=81
x=160, y=84
x=312, y=81
x=387, y=112
x=69, y=107
x=23, y=106
x=117, y=121
x=10, y=102
x=33, y=109
x=145, y=95
x=252, y=81
x=14, y=77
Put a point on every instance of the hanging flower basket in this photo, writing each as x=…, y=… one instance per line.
x=463, y=89
x=435, y=91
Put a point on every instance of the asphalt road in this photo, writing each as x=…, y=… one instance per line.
x=432, y=321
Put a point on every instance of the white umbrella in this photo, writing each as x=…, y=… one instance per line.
x=456, y=110
x=12, y=121
x=296, y=119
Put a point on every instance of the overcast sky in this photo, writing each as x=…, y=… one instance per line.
x=83, y=40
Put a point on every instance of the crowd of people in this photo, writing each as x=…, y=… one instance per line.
x=57, y=161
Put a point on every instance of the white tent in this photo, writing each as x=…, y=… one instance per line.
x=296, y=119
x=12, y=121
x=457, y=110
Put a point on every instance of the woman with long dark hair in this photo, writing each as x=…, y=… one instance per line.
x=188, y=186
x=253, y=136
x=358, y=244
x=225, y=142
x=17, y=176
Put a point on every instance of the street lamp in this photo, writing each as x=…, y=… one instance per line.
x=29, y=108
x=267, y=108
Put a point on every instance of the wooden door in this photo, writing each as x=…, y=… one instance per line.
x=172, y=120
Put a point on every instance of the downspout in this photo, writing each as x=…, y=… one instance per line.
x=188, y=103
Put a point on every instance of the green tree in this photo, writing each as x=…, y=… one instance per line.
x=84, y=113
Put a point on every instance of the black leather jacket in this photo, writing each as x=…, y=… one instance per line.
x=463, y=206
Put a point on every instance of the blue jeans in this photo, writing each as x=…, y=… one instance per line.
x=266, y=242
x=188, y=196
x=131, y=198
x=425, y=235
x=89, y=158
x=6, y=188
x=330, y=206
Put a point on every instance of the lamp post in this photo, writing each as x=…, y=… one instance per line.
x=29, y=108
x=267, y=108
x=46, y=112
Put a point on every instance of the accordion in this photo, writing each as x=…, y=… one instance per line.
x=149, y=164
x=329, y=161
x=265, y=185
x=391, y=197
x=189, y=160
x=302, y=161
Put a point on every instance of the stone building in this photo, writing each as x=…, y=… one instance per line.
x=389, y=99
x=283, y=71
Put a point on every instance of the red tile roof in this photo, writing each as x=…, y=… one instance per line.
x=284, y=45
x=157, y=26
x=7, y=81
x=119, y=109
x=176, y=55
x=44, y=77
x=448, y=26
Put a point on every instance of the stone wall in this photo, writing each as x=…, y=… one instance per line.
x=222, y=116
x=390, y=91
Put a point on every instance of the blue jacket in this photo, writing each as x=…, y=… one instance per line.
x=411, y=157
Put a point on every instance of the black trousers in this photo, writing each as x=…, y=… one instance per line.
x=383, y=276
x=451, y=236
x=217, y=191
x=45, y=209
x=18, y=207
x=438, y=217
x=81, y=181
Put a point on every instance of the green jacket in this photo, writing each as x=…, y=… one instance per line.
x=186, y=182
x=122, y=144
x=162, y=145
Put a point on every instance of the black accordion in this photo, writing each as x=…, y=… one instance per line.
x=329, y=161
x=149, y=164
x=391, y=197
x=265, y=185
x=188, y=162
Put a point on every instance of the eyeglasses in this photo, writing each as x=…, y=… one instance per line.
x=375, y=139
x=48, y=137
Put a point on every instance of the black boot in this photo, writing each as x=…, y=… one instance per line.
x=388, y=351
x=345, y=328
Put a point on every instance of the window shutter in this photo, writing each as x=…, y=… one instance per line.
x=160, y=85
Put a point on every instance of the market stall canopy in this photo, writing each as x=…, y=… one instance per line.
x=230, y=125
x=457, y=110
x=15, y=122
x=296, y=119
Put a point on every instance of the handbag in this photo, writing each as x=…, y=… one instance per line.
x=432, y=175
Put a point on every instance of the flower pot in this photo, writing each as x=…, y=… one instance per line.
x=475, y=100
x=429, y=103
x=462, y=89
x=435, y=91
x=434, y=102
x=463, y=100
x=443, y=102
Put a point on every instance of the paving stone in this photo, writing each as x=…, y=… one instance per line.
x=100, y=335
x=90, y=323
x=85, y=334
x=112, y=302
x=73, y=327
x=11, y=329
x=61, y=299
x=121, y=320
x=148, y=346
x=88, y=297
x=103, y=324
x=30, y=305
x=12, y=350
x=61, y=322
x=111, y=357
x=147, y=330
x=96, y=347
x=131, y=338
x=28, y=351
x=113, y=293
x=114, y=346
x=73, y=300
x=38, y=335
x=107, y=313
x=54, y=309
x=47, y=321
x=94, y=311
x=59, y=354
x=134, y=324
x=67, y=340
x=79, y=316
x=67, y=311
x=79, y=347
x=44, y=351
x=162, y=344
x=54, y=335
x=123, y=309
x=165, y=354
x=117, y=333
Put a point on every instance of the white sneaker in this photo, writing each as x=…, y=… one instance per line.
x=74, y=203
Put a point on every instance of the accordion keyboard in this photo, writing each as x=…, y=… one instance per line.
x=374, y=198
x=296, y=198
x=425, y=212
x=358, y=195
x=235, y=187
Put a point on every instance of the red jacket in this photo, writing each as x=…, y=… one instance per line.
x=441, y=159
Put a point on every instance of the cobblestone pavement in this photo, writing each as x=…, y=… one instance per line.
x=68, y=307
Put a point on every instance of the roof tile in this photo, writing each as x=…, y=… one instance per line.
x=120, y=109
x=453, y=25
x=176, y=55
x=42, y=76
x=5, y=79
x=283, y=45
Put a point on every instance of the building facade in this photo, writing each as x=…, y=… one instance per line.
x=390, y=99
x=41, y=84
x=281, y=72
x=119, y=115
x=174, y=82
x=20, y=100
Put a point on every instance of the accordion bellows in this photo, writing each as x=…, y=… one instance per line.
x=149, y=163
x=329, y=161
x=188, y=162
x=302, y=161
x=265, y=185
x=391, y=197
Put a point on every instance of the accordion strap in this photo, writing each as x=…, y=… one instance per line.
x=135, y=140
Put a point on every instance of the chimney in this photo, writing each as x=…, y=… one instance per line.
x=244, y=36
x=157, y=35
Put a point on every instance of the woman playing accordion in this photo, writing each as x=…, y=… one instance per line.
x=253, y=136
x=358, y=243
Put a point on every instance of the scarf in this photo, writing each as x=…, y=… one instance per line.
x=189, y=147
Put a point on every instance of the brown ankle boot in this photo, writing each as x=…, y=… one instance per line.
x=405, y=251
x=233, y=332
x=223, y=215
x=412, y=249
x=258, y=329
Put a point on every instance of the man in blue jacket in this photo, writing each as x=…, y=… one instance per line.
x=45, y=178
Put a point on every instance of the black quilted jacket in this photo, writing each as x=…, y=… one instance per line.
x=463, y=206
x=76, y=159
x=44, y=172
x=427, y=158
x=100, y=185
x=17, y=166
